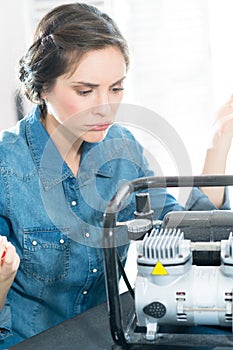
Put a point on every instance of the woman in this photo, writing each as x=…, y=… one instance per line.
x=62, y=164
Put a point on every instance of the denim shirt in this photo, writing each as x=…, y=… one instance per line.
x=54, y=219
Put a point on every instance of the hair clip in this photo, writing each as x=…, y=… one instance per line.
x=46, y=39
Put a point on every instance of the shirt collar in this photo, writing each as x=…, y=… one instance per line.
x=51, y=167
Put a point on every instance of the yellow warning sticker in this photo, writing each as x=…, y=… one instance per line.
x=159, y=269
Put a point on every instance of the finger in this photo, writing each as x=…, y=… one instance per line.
x=230, y=99
x=16, y=263
x=2, y=252
x=10, y=253
x=3, y=246
x=7, y=262
x=223, y=120
x=10, y=263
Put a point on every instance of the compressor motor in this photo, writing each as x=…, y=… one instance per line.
x=171, y=290
x=185, y=270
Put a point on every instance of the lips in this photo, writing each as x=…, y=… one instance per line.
x=99, y=127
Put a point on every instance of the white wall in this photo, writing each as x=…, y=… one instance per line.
x=221, y=32
x=12, y=43
x=171, y=68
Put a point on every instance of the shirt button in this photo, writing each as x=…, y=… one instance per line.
x=73, y=203
x=87, y=234
x=62, y=241
x=94, y=270
x=34, y=242
x=85, y=292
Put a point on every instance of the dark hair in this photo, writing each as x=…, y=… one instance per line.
x=62, y=37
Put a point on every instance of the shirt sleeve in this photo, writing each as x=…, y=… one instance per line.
x=199, y=201
x=162, y=202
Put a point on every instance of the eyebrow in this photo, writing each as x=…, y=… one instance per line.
x=91, y=85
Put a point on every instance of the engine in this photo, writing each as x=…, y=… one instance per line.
x=171, y=290
x=185, y=271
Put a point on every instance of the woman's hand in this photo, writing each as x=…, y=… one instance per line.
x=9, y=264
x=223, y=126
x=217, y=152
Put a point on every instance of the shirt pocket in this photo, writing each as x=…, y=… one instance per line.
x=46, y=253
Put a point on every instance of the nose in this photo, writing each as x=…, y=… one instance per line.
x=102, y=106
x=103, y=110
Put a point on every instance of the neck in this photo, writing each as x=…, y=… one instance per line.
x=67, y=143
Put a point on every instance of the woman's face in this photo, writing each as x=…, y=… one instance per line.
x=85, y=102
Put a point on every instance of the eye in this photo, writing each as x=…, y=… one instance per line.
x=116, y=90
x=84, y=92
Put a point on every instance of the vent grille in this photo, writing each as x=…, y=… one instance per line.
x=162, y=244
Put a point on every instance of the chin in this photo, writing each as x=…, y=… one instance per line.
x=94, y=137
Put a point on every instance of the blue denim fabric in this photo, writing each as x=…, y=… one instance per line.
x=54, y=219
